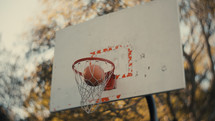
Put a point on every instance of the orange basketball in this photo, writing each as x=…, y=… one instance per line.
x=93, y=75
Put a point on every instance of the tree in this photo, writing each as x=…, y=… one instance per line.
x=198, y=50
x=11, y=95
x=4, y=115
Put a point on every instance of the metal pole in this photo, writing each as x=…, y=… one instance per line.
x=152, y=107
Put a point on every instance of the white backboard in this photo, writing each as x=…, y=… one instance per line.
x=143, y=42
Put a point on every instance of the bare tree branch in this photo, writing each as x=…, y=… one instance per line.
x=171, y=107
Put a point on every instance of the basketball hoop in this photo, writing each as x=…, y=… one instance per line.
x=92, y=75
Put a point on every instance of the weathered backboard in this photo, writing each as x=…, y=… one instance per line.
x=143, y=42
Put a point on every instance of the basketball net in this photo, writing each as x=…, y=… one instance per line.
x=91, y=95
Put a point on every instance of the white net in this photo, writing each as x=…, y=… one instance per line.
x=91, y=77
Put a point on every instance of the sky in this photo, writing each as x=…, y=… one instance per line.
x=14, y=19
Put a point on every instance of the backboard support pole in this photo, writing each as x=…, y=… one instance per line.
x=152, y=107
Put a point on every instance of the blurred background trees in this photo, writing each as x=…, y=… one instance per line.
x=11, y=84
x=196, y=102
x=198, y=49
